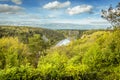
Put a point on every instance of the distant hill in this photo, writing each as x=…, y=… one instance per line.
x=57, y=25
x=71, y=26
x=25, y=32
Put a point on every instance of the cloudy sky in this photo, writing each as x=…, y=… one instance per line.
x=83, y=12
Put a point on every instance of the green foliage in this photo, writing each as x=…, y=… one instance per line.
x=56, y=66
x=103, y=57
x=72, y=34
x=50, y=67
x=37, y=46
x=24, y=33
x=36, y=43
x=95, y=56
x=20, y=73
x=12, y=52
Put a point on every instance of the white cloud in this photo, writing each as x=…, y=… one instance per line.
x=56, y=5
x=17, y=1
x=79, y=9
x=9, y=9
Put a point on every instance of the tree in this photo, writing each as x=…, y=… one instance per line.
x=12, y=52
x=37, y=46
x=112, y=15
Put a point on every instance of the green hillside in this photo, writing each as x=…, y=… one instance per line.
x=60, y=50
x=94, y=56
x=23, y=33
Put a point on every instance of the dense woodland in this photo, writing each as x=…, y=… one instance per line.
x=28, y=53
x=95, y=55
x=24, y=33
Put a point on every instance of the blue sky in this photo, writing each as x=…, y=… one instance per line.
x=83, y=12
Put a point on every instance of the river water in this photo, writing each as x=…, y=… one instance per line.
x=63, y=42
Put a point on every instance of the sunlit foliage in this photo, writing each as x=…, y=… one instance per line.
x=94, y=56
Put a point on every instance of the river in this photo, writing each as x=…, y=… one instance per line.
x=63, y=42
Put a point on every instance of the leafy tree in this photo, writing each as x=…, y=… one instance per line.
x=37, y=46
x=12, y=52
x=112, y=15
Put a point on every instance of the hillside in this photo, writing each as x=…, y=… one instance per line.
x=93, y=57
x=96, y=55
x=59, y=39
x=23, y=33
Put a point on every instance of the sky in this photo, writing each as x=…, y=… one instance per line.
x=32, y=12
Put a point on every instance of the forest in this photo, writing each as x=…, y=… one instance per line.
x=29, y=53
